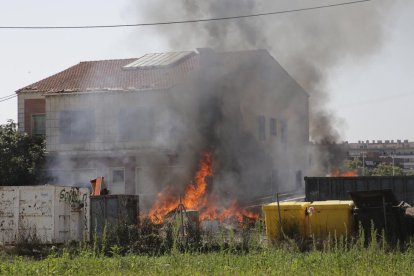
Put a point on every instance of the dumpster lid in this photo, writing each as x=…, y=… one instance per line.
x=373, y=198
x=333, y=204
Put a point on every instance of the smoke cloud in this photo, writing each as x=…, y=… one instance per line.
x=308, y=44
x=205, y=111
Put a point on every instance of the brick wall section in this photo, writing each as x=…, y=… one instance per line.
x=32, y=106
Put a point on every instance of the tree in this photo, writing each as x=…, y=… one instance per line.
x=356, y=165
x=384, y=169
x=353, y=164
x=21, y=157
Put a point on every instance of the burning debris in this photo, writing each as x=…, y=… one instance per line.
x=197, y=198
x=338, y=172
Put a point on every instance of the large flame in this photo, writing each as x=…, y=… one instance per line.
x=195, y=198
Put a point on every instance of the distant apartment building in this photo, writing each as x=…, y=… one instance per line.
x=399, y=152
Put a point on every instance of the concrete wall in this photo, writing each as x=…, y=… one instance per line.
x=45, y=214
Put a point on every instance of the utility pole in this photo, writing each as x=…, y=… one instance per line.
x=363, y=163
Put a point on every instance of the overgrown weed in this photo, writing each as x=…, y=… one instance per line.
x=152, y=249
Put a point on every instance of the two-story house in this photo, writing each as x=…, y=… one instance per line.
x=135, y=120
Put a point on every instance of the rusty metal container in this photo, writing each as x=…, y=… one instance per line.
x=113, y=211
x=44, y=214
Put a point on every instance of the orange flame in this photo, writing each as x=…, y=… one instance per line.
x=195, y=198
x=337, y=172
x=233, y=211
x=194, y=193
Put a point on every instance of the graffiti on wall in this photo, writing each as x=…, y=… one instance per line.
x=74, y=197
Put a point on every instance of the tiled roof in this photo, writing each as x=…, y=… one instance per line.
x=110, y=75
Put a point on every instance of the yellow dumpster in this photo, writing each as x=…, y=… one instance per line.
x=331, y=216
x=292, y=217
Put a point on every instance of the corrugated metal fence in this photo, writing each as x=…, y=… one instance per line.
x=338, y=188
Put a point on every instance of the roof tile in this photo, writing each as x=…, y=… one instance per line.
x=110, y=75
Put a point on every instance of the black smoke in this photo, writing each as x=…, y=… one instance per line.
x=308, y=44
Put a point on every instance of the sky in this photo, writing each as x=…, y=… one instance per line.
x=375, y=96
x=372, y=97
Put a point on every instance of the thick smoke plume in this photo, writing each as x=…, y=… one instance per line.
x=308, y=44
x=208, y=108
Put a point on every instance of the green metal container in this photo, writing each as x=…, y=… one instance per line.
x=113, y=211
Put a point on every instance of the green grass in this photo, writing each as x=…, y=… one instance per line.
x=276, y=261
x=144, y=251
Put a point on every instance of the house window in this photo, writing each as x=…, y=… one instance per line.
x=135, y=125
x=117, y=185
x=262, y=128
x=77, y=126
x=39, y=125
x=283, y=131
x=273, y=128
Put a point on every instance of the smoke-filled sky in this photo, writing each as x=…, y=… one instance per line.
x=364, y=51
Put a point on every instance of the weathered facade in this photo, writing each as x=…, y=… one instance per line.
x=117, y=118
